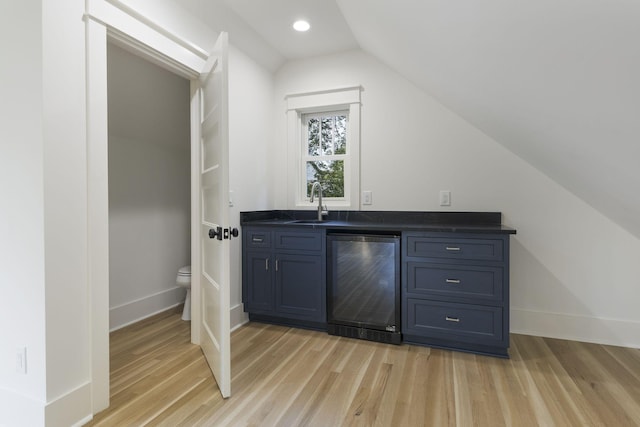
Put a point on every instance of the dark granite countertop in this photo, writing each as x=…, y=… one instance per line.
x=454, y=222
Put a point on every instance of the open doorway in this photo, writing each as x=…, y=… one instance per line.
x=208, y=80
x=149, y=186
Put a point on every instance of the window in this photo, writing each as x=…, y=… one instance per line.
x=324, y=139
x=324, y=145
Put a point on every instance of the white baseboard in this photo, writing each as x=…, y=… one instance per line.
x=71, y=409
x=576, y=328
x=238, y=316
x=18, y=410
x=134, y=311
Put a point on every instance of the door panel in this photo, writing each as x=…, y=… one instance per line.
x=213, y=193
x=211, y=132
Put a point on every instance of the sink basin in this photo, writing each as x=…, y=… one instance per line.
x=307, y=221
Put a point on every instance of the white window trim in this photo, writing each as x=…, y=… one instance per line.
x=347, y=98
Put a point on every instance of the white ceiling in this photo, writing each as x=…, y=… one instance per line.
x=273, y=20
x=555, y=81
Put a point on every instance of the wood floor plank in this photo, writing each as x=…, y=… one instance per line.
x=403, y=398
x=346, y=369
x=361, y=412
x=316, y=375
x=591, y=382
x=293, y=377
x=486, y=402
x=436, y=382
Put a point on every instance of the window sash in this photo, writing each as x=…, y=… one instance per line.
x=321, y=115
x=346, y=182
x=306, y=157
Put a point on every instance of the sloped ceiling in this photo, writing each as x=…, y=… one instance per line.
x=557, y=82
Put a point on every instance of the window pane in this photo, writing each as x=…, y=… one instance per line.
x=326, y=135
x=333, y=132
x=340, y=134
x=331, y=177
x=313, y=137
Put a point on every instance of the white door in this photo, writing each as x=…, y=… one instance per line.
x=212, y=181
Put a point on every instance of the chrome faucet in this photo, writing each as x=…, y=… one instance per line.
x=321, y=210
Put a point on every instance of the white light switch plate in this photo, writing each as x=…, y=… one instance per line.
x=445, y=198
x=21, y=360
x=367, y=198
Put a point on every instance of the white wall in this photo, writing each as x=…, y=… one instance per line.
x=65, y=199
x=574, y=273
x=22, y=272
x=149, y=186
x=44, y=256
x=250, y=139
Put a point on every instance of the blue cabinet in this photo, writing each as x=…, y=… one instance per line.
x=456, y=291
x=283, y=278
x=454, y=285
x=258, y=281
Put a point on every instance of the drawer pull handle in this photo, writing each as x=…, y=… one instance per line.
x=452, y=319
x=453, y=248
x=257, y=239
x=453, y=281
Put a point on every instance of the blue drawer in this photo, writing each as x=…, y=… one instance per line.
x=464, y=249
x=258, y=239
x=296, y=240
x=480, y=283
x=468, y=322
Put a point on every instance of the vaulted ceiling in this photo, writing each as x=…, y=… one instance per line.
x=557, y=82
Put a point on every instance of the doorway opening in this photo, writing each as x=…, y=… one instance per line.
x=208, y=81
x=149, y=177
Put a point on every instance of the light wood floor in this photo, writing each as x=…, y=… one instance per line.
x=292, y=377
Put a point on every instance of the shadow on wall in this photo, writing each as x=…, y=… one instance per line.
x=542, y=305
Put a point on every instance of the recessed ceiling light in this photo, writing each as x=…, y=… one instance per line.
x=301, y=26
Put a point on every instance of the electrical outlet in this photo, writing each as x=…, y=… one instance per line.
x=21, y=360
x=367, y=197
x=445, y=198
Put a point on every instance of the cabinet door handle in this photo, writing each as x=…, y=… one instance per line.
x=266, y=264
x=453, y=281
x=276, y=264
x=452, y=248
x=452, y=319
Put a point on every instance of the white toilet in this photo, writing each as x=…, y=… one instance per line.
x=184, y=280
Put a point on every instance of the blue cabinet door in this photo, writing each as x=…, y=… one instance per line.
x=300, y=286
x=259, y=283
